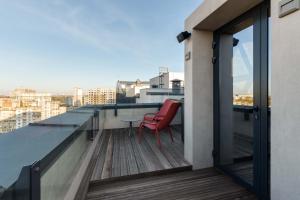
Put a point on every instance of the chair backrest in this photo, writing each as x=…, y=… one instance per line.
x=169, y=114
x=165, y=107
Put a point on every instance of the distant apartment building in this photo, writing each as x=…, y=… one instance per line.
x=24, y=116
x=101, y=96
x=128, y=91
x=57, y=108
x=26, y=106
x=165, y=85
x=78, y=97
x=66, y=100
x=7, y=119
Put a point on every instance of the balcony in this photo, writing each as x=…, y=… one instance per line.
x=88, y=154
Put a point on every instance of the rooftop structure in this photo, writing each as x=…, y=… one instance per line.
x=128, y=91
x=166, y=85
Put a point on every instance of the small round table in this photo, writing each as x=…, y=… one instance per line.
x=130, y=123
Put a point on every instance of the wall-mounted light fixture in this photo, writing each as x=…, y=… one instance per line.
x=183, y=36
x=235, y=42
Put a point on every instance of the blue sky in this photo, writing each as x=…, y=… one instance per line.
x=55, y=45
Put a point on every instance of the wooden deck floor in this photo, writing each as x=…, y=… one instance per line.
x=189, y=185
x=121, y=155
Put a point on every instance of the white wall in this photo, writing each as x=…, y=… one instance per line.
x=167, y=78
x=148, y=98
x=285, y=114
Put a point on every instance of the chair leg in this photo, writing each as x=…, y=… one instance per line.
x=140, y=133
x=171, y=134
x=158, y=139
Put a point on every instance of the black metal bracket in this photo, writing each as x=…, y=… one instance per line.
x=214, y=60
x=214, y=45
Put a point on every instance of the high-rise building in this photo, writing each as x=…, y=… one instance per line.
x=78, y=97
x=101, y=96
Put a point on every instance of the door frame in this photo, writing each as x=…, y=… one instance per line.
x=261, y=166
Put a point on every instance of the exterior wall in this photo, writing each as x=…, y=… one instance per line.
x=167, y=79
x=285, y=114
x=135, y=90
x=154, y=81
x=198, y=109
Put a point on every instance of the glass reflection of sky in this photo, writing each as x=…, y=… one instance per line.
x=243, y=63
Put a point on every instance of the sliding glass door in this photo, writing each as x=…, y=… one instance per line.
x=241, y=99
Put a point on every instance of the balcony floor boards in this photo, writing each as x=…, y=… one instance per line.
x=202, y=184
x=121, y=155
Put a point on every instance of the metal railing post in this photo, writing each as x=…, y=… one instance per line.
x=116, y=110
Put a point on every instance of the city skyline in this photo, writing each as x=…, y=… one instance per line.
x=57, y=45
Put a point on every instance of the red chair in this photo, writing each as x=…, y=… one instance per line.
x=160, y=120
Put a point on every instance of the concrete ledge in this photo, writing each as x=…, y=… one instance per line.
x=212, y=14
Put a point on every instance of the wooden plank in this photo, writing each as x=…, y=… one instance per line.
x=202, y=184
x=173, y=149
x=122, y=155
x=101, y=157
x=148, y=156
x=141, y=163
x=161, y=157
x=116, y=171
x=107, y=168
x=132, y=166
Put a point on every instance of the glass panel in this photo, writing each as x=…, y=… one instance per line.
x=34, y=143
x=236, y=101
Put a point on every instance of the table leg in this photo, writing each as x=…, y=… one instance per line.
x=130, y=129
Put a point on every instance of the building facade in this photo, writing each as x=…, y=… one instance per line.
x=78, y=97
x=128, y=91
x=166, y=85
x=26, y=106
x=164, y=80
x=101, y=96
